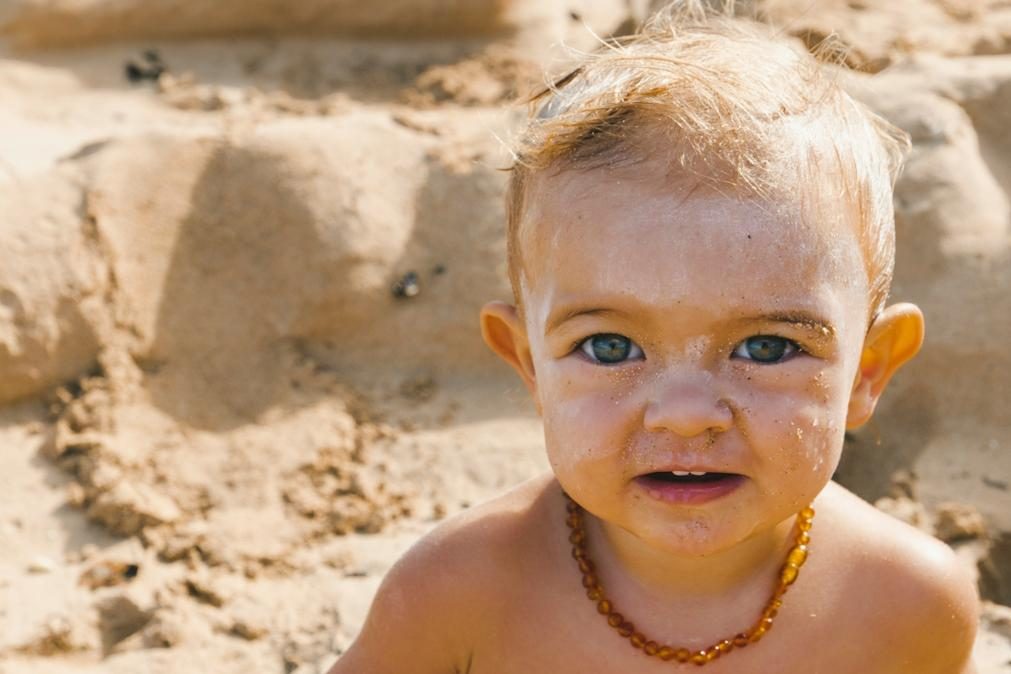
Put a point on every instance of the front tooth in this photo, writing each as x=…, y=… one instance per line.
x=681, y=473
x=701, y=473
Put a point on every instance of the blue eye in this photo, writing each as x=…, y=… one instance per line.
x=766, y=349
x=609, y=349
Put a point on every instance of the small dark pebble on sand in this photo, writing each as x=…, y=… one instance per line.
x=151, y=68
x=407, y=287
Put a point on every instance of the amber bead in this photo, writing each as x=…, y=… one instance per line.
x=626, y=629
x=615, y=619
x=638, y=640
x=574, y=520
x=665, y=653
x=798, y=555
x=590, y=580
x=741, y=640
x=803, y=538
x=770, y=612
x=712, y=654
x=604, y=607
x=789, y=574
x=595, y=593
x=765, y=624
x=650, y=648
x=700, y=658
x=804, y=525
x=577, y=536
x=807, y=513
x=757, y=634
x=578, y=552
x=725, y=646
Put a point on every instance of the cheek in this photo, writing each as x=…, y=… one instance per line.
x=585, y=426
x=797, y=431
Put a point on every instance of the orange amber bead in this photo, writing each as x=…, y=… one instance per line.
x=807, y=513
x=789, y=574
x=665, y=653
x=798, y=555
x=804, y=525
x=604, y=607
x=712, y=654
x=626, y=629
x=577, y=536
x=574, y=520
x=585, y=565
x=757, y=634
x=683, y=655
x=741, y=640
x=637, y=640
x=700, y=658
x=650, y=648
x=615, y=619
x=804, y=538
x=725, y=646
x=595, y=593
x=590, y=580
x=578, y=552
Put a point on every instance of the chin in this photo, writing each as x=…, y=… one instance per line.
x=698, y=536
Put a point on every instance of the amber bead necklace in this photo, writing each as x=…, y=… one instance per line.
x=595, y=591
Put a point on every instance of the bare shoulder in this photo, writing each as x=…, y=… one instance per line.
x=437, y=600
x=912, y=589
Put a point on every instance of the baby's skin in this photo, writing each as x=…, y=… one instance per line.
x=666, y=329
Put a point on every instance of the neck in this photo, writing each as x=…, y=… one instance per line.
x=753, y=563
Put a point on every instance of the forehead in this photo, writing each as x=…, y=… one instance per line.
x=636, y=232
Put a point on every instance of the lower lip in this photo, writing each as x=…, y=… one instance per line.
x=690, y=494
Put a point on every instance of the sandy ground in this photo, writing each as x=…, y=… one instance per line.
x=210, y=451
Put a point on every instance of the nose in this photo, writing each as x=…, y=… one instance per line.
x=687, y=408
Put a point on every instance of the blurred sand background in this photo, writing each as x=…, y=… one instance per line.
x=242, y=250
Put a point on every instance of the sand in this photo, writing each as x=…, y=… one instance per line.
x=240, y=371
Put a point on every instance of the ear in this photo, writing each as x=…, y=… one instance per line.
x=505, y=334
x=895, y=336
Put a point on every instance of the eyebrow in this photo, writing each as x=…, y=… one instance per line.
x=799, y=318
x=558, y=318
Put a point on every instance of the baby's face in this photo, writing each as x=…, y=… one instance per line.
x=677, y=331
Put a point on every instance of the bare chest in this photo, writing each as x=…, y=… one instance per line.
x=534, y=638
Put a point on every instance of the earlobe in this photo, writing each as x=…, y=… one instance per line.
x=894, y=338
x=505, y=334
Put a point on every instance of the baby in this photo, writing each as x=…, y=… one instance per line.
x=701, y=243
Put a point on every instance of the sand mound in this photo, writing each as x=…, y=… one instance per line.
x=48, y=22
x=953, y=223
x=51, y=286
x=871, y=36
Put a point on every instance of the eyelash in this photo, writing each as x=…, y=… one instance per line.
x=796, y=349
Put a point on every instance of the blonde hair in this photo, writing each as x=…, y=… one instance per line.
x=738, y=109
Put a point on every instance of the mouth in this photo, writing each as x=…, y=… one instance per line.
x=689, y=487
